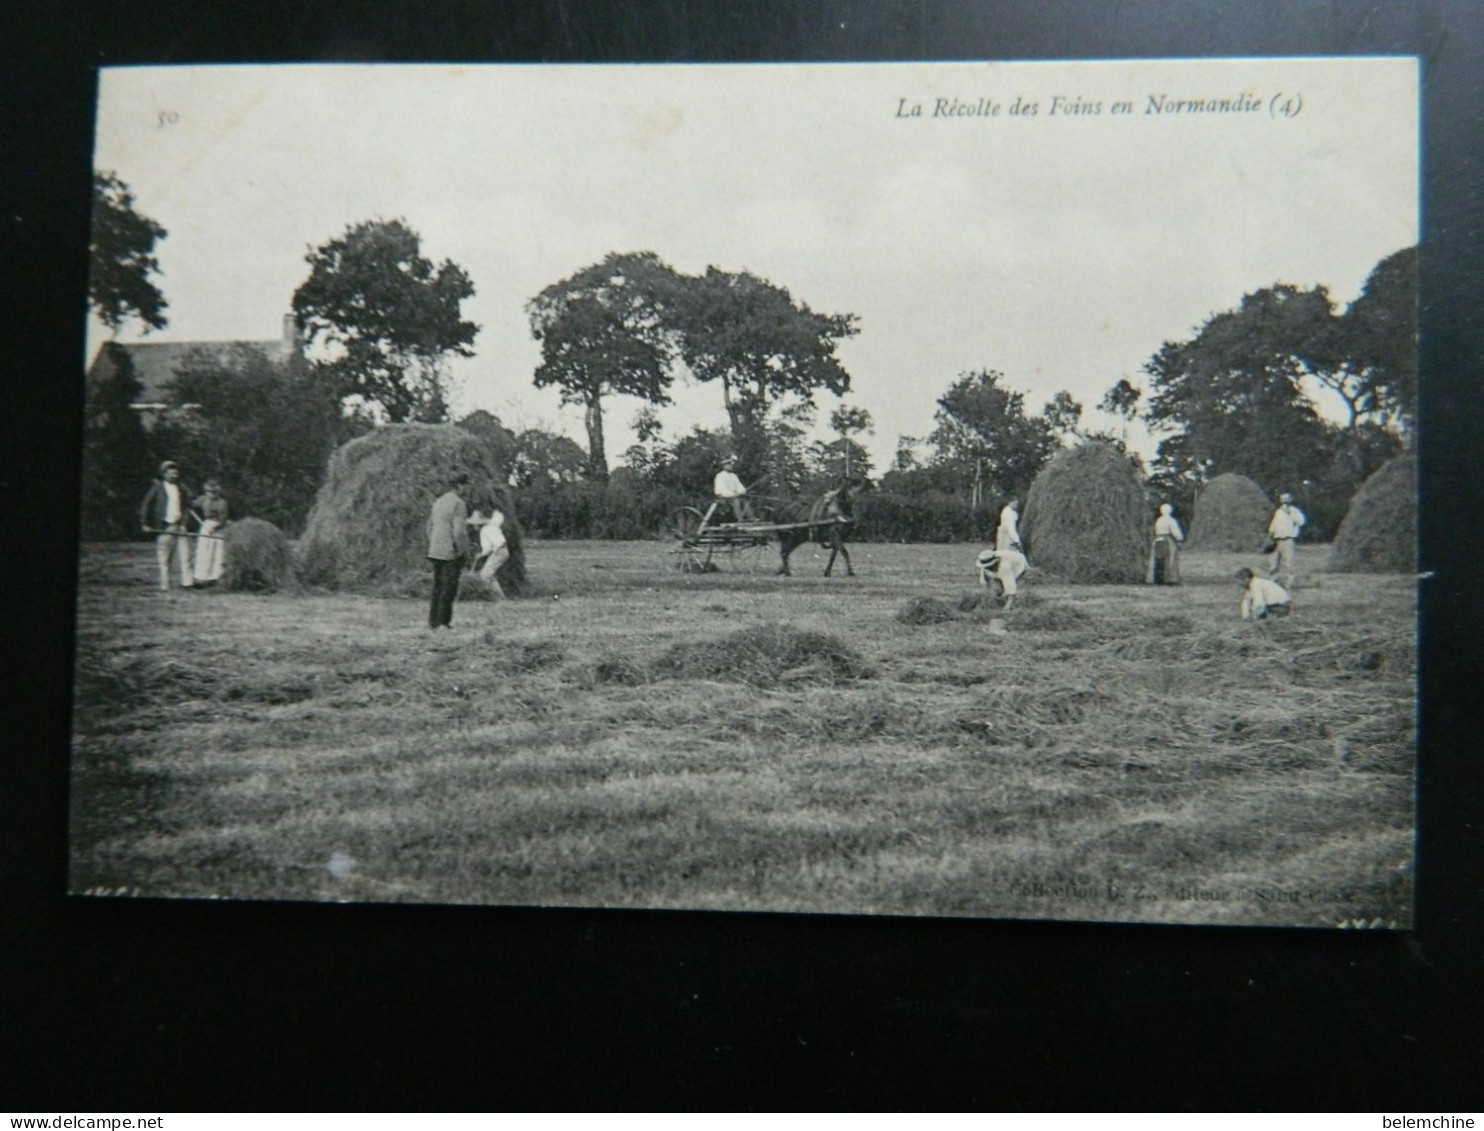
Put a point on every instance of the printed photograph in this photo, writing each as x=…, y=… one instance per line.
x=958, y=490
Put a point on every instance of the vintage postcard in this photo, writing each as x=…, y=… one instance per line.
x=898, y=489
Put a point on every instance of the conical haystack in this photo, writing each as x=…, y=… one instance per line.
x=1085, y=517
x=1379, y=533
x=256, y=556
x=368, y=528
x=1231, y=513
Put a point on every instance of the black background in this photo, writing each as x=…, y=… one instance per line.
x=123, y=1005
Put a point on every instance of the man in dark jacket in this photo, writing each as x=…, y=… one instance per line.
x=164, y=513
x=448, y=545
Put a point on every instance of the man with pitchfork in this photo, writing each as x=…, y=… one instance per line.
x=164, y=513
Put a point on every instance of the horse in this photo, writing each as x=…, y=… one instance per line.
x=832, y=505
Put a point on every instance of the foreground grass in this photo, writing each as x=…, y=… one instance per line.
x=641, y=737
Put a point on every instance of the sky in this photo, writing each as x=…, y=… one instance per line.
x=1061, y=248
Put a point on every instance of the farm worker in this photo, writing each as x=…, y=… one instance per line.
x=1164, y=553
x=1006, y=567
x=164, y=513
x=1007, y=537
x=493, y=551
x=211, y=512
x=1284, y=529
x=1261, y=597
x=448, y=545
x=729, y=489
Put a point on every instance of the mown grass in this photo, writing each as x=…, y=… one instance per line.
x=646, y=738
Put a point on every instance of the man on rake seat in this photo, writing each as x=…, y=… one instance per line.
x=729, y=490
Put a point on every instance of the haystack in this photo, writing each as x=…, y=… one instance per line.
x=1231, y=513
x=1379, y=533
x=257, y=557
x=368, y=527
x=1085, y=517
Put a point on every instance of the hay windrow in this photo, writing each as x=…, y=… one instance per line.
x=1379, y=532
x=1231, y=514
x=926, y=610
x=764, y=656
x=368, y=528
x=1085, y=517
x=257, y=557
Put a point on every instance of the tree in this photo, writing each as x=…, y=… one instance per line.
x=1231, y=395
x=266, y=429
x=983, y=433
x=502, y=441
x=1063, y=414
x=1380, y=329
x=603, y=330
x=844, y=456
x=905, y=458
x=122, y=258
x=1122, y=399
x=544, y=459
x=118, y=459
x=389, y=317
x=752, y=337
x=786, y=451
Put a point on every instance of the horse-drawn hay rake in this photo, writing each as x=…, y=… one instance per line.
x=705, y=546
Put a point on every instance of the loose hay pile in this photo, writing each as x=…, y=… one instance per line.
x=1085, y=517
x=1379, y=533
x=368, y=528
x=258, y=557
x=1232, y=514
x=765, y=656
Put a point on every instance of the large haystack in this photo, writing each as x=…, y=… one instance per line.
x=368, y=528
x=1379, y=533
x=256, y=557
x=1085, y=517
x=1231, y=513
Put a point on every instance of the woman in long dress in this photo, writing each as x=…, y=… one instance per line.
x=1164, y=553
x=1007, y=536
x=211, y=512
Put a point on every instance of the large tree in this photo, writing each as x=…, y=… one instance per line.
x=123, y=258
x=985, y=436
x=604, y=330
x=389, y=316
x=1230, y=399
x=761, y=345
x=1381, y=332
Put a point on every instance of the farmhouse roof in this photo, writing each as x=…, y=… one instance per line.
x=155, y=363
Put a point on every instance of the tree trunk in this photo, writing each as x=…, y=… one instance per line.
x=597, y=456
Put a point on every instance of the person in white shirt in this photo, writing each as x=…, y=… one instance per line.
x=1007, y=537
x=1262, y=598
x=1164, y=553
x=164, y=513
x=1284, y=529
x=494, y=551
x=1006, y=567
x=730, y=490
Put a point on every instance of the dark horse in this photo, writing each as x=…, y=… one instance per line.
x=832, y=505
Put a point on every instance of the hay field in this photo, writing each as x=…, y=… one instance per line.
x=640, y=737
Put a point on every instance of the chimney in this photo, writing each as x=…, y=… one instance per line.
x=293, y=341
